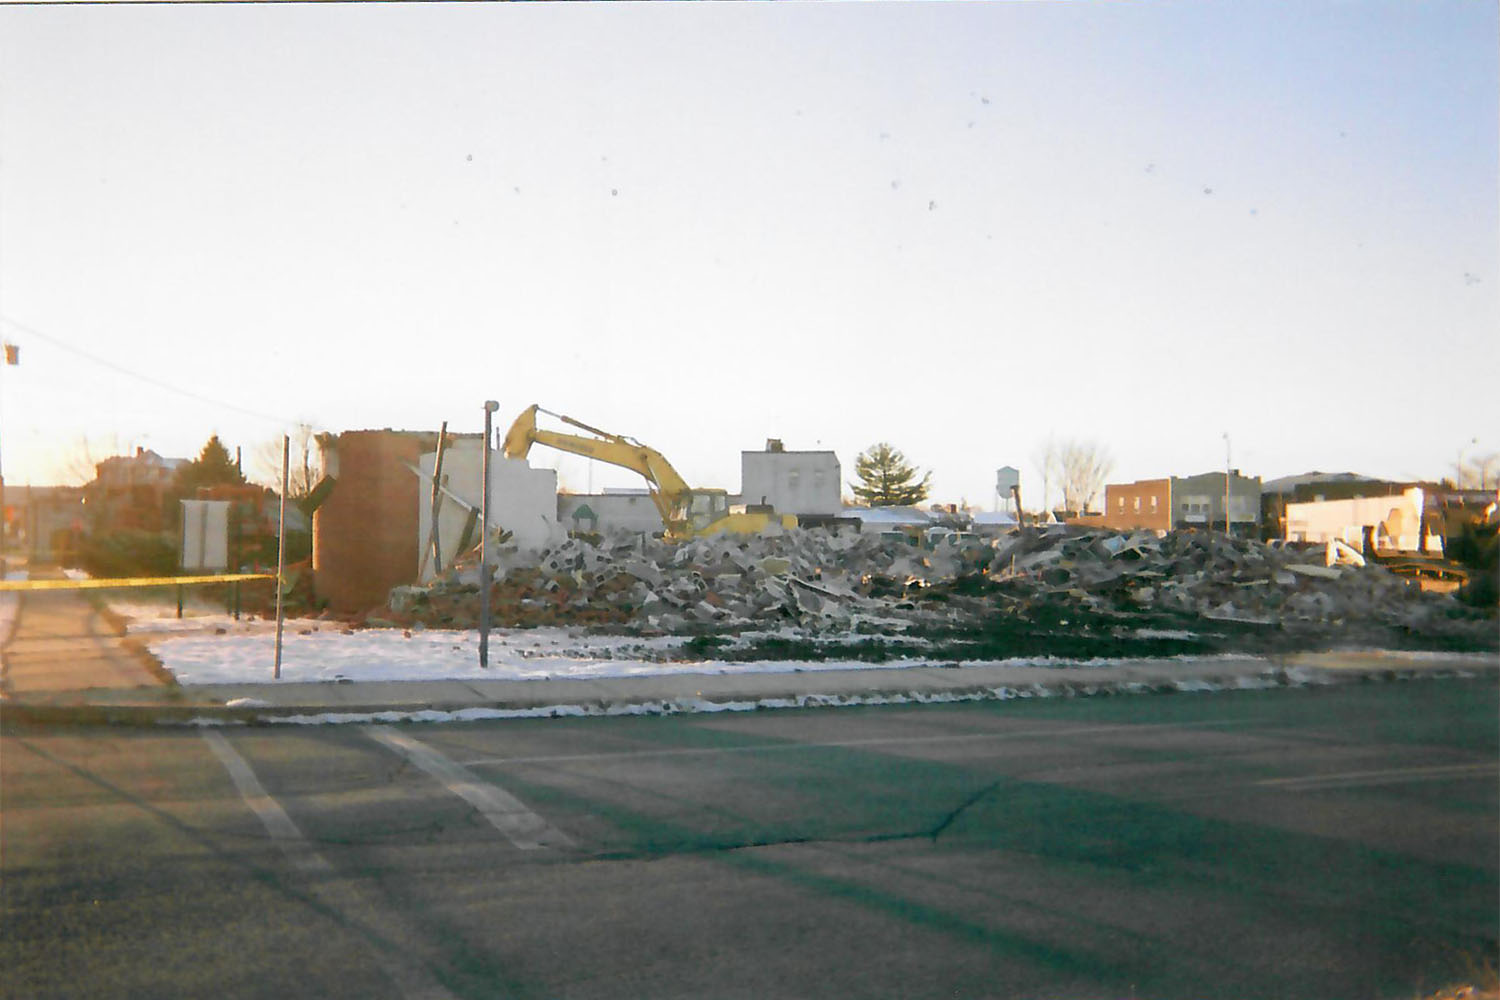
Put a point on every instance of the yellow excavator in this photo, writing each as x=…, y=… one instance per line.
x=685, y=512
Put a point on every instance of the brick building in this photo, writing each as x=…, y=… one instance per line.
x=1145, y=503
x=1182, y=502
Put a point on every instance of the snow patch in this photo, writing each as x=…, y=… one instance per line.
x=324, y=654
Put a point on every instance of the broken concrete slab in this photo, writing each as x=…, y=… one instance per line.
x=824, y=580
x=1321, y=572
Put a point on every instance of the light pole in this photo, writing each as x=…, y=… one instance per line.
x=286, y=452
x=1227, y=463
x=490, y=406
x=12, y=357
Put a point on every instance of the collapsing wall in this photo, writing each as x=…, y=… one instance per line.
x=523, y=501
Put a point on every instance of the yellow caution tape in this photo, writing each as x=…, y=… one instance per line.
x=132, y=581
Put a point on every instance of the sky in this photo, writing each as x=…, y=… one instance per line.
x=960, y=228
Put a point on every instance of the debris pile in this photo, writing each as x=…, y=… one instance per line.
x=825, y=581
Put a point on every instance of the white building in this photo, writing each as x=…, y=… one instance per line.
x=1392, y=522
x=992, y=522
x=793, y=482
x=612, y=510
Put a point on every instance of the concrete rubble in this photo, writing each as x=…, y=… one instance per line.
x=823, y=582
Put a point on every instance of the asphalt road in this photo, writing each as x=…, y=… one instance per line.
x=1328, y=843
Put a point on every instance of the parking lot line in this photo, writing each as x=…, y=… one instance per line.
x=506, y=813
x=1391, y=776
x=871, y=742
x=274, y=818
x=412, y=979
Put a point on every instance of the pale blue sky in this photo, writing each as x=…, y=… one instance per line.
x=958, y=227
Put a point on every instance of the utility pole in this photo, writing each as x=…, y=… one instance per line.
x=490, y=406
x=1227, y=463
x=12, y=357
x=286, y=445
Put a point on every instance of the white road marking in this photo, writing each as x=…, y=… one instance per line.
x=1390, y=776
x=412, y=979
x=895, y=741
x=274, y=818
x=505, y=812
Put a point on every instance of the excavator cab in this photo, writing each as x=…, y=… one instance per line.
x=700, y=508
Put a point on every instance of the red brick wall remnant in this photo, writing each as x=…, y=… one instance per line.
x=365, y=533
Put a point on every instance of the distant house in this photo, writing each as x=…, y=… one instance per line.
x=130, y=492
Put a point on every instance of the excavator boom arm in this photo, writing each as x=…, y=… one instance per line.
x=667, y=487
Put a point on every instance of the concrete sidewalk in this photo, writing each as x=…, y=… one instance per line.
x=55, y=642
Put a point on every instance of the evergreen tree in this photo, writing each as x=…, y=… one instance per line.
x=886, y=480
x=213, y=467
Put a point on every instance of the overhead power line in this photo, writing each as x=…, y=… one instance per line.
x=31, y=331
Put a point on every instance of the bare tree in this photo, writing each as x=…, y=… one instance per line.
x=1478, y=472
x=79, y=464
x=304, y=470
x=1081, y=467
x=1045, y=459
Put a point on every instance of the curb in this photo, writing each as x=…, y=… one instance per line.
x=21, y=713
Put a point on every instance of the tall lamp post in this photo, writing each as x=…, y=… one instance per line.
x=1227, y=463
x=286, y=452
x=490, y=406
x=12, y=357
